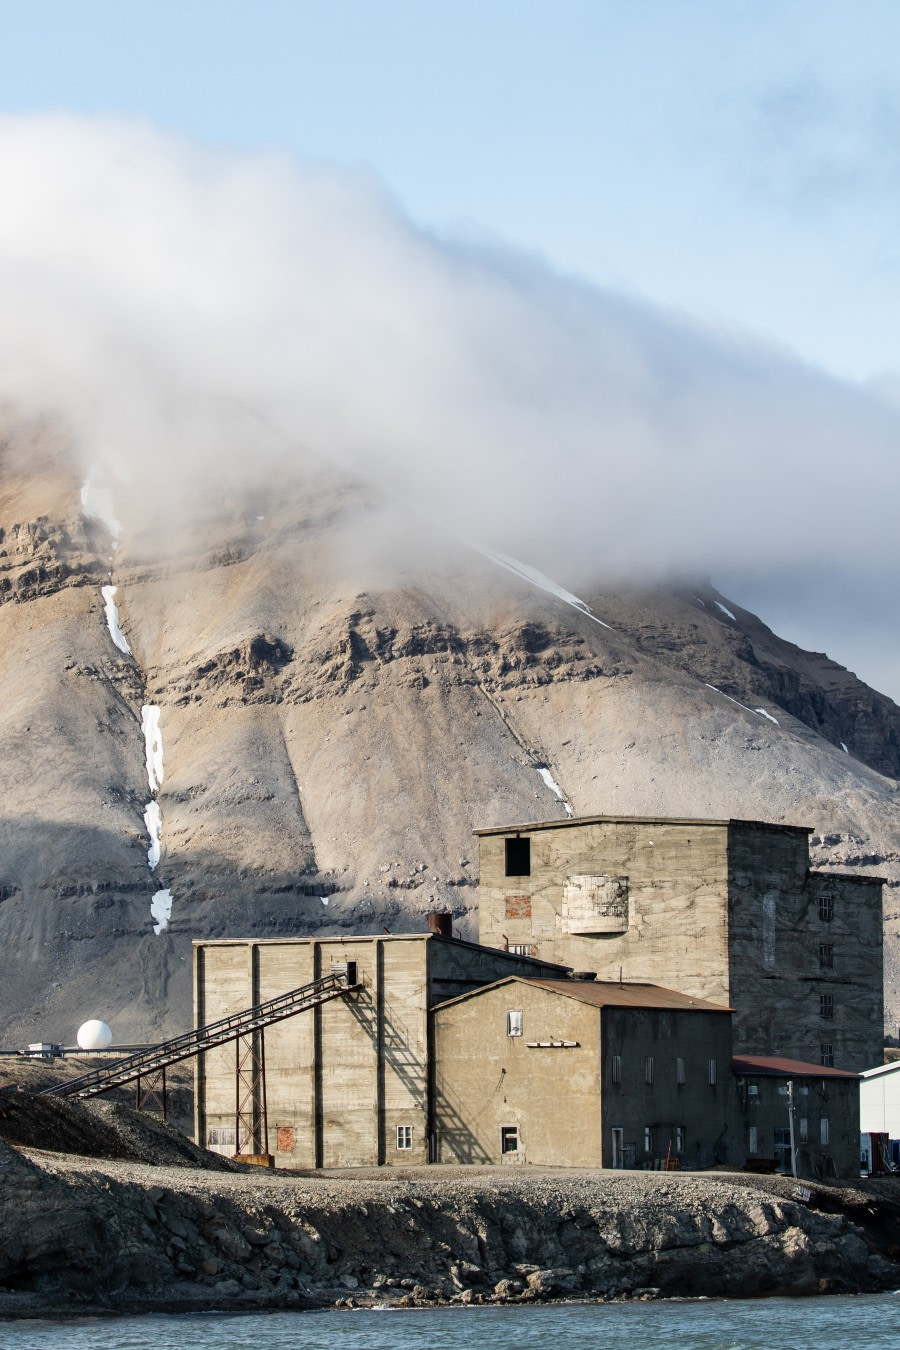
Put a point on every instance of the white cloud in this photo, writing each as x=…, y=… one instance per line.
x=208, y=312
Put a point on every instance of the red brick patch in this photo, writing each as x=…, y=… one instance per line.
x=518, y=906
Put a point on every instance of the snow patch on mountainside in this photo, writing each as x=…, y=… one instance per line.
x=161, y=910
x=538, y=579
x=554, y=787
x=153, y=745
x=112, y=619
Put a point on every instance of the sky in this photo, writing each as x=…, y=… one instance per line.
x=716, y=182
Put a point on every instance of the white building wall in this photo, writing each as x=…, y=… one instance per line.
x=879, y=1101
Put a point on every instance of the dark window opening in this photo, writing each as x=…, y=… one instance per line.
x=826, y=1005
x=518, y=857
x=509, y=1139
x=827, y=1055
x=826, y=956
x=826, y=908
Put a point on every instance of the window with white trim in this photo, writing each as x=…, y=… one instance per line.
x=824, y=1132
x=404, y=1137
x=514, y=1022
x=648, y=1138
x=679, y=1138
x=753, y=1140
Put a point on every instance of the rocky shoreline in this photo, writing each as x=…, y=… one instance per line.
x=86, y=1235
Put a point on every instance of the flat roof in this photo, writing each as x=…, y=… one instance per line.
x=604, y=994
x=774, y=1066
x=570, y=821
x=378, y=937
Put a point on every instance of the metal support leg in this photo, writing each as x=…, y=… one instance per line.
x=251, y=1124
x=150, y=1093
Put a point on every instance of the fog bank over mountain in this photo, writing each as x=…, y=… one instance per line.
x=202, y=321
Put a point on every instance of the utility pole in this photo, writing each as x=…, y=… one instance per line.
x=790, y=1097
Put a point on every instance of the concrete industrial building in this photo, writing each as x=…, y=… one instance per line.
x=348, y=1083
x=570, y=1071
x=712, y=938
x=724, y=910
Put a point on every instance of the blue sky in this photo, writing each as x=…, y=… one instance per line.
x=736, y=162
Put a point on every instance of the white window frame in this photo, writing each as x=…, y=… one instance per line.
x=824, y=1132
x=680, y=1138
x=514, y=1022
x=753, y=1141
x=648, y=1138
x=404, y=1138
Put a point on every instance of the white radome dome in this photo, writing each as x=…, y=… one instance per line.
x=94, y=1035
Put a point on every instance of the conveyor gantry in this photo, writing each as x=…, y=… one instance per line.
x=151, y=1062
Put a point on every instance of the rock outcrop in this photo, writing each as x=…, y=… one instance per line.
x=124, y=1237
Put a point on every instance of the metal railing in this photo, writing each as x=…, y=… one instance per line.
x=192, y=1043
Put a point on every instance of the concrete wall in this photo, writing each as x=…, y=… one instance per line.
x=725, y=911
x=703, y=1110
x=340, y=1078
x=835, y=1100
x=486, y=1080
x=677, y=879
x=343, y=1077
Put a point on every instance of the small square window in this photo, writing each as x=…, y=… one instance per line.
x=826, y=908
x=827, y=1055
x=826, y=956
x=826, y=1006
x=679, y=1069
x=711, y=1072
x=514, y=1022
x=518, y=857
x=509, y=1138
x=615, y=1068
x=824, y=1131
x=648, y=1069
x=404, y=1136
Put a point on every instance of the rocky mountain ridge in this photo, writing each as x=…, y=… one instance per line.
x=341, y=701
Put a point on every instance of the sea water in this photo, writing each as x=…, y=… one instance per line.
x=866, y=1322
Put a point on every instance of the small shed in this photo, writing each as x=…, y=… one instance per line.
x=788, y=1103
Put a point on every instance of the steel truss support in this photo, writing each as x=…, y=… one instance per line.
x=150, y=1092
x=251, y=1122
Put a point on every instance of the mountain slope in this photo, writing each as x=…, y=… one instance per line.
x=344, y=695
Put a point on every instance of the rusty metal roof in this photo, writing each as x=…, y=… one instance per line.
x=774, y=1066
x=629, y=994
